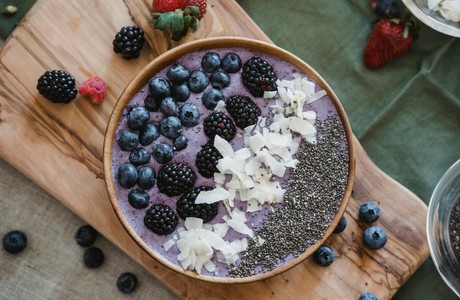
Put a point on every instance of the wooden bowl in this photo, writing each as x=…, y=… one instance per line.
x=167, y=59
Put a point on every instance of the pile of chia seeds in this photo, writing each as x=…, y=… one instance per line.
x=313, y=195
x=454, y=229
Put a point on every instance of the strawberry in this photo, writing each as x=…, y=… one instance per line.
x=389, y=39
x=95, y=88
x=202, y=5
x=163, y=6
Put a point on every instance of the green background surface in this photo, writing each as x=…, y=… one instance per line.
x=405, y=114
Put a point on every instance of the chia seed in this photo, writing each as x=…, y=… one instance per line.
x=313, y=195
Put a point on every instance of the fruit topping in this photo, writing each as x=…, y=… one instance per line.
x=129, y=42
x=180, y=143
x=368, y=296
x=161, y=219
x=207, y=159
x=138, y=118
x=169, y=107
x=219, y=80
x=369, y=212
x=243, y=110
x=210, y=62
x=162, y=153
x=186, y=206
x=162, y=6
x=198, y=81
x=139, y=156
x=386, y=8
x=180, y=92
x=201, y=4
x=127, y=175
x=127, y=283
x=178, y=74
x=148, y=134
x=258, y=76
x=189, y=115
x=95, y=88
x=138, y=198
x=93, y=257
x=146, y=178
x=324, y=256
x=341, y=225
x=175, y=179
x=85, y=236
x=151, y=103
x=159, y=88
x=374, y=237
x=14, y=241
x=231, y=63
x=218, y=123
x=57, y=86
x=211, y=97
x=128, y=140
x=170, y=127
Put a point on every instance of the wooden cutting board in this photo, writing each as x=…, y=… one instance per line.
x=59, y=147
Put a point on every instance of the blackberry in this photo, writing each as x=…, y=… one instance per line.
x=161, y=219
x=129, y=41
x=206, y=160
x=186, y=206
x=57, y=86
x=258, y=76
x=218, y=123
x=243, y=110
x=175, y=179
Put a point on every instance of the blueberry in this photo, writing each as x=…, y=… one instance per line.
x=162, y=153
x=85, y=236
x=211, y=97
x=170, y=127
x=127, y=175
x=341, y=225
x=169, y=107
x=139, y=156
x=231, y=63
x=198, y=81
x=128, y=140
x=388, y=8
x=189, y=115
x=93, y=257
x=374, y=237
x=369, y=212
x=178, y=73
x=159, y=88
x=138, y=118
x=149, y=134
x=127, y=283
x=138, y=198
x=147, y=177
x=180, y=143
x=368, y=296
x=151, y=103
x=181, y=92
x=210, y=62
x=219, y=80
x=324, y=256
x=14, y=241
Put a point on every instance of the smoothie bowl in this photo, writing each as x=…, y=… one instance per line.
x=229, y=160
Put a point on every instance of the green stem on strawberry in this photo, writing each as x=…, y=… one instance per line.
x=178, y=21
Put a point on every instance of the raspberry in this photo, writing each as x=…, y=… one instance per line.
x=95, y=88
x=129, y=41
x=243, y=111
x=206, y=160
x=175, y=179
x=258, y=76
x=218, y=123
x=186, y=206
x=57, y=86
x=161, y=219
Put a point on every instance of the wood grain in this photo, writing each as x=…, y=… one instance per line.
x=59, y=147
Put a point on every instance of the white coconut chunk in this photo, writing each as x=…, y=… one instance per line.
x=168, y=244
x=234, y=183
x=223, y=146
x=301, y=126
x=225, y=164
x=238, y=215
x=256, y=142
x=253, y=205
x=307, y=86
x=219, y=178
x=283, y=95
x=275, y=166
x=269, y=94
x=252, y=166
x=244, y=194
x=309, y=115
x=210, y=266
x=260, y=241
x=240, y=227
x=220, y=104
x=318, y=95
x=193, y=223
x=239, y=245
x=291, y=163
x=287, y=84
x=220, y=229
x=212, y=196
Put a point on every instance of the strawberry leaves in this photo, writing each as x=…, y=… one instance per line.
x=178, y=21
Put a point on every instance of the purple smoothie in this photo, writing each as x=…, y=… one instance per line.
x=196, y=138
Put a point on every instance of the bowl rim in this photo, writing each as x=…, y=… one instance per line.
x=170, y=57
x=453, y=170
x=428, y=20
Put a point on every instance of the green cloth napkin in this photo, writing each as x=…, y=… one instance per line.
x=8, y=22
x=405, y=114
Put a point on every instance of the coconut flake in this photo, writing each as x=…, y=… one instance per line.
x=212, y=196
x=168, y=244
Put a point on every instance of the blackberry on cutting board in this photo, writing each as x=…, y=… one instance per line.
x=207, y=159
x=186, y=206
x=258, y=76
x=175, y=179
x=129, y=41
x=57, y=86
x=218, y=123
x=161, y=219
x=243, y=110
